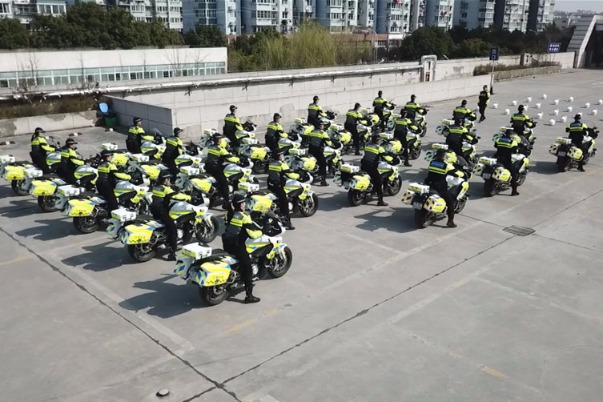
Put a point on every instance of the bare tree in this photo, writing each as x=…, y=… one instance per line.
x=27, y=78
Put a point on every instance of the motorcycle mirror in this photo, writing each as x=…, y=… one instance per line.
x=156, y=131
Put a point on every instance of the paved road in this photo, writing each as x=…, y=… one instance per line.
x=372, y=310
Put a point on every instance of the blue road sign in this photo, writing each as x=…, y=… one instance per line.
x=554, y=47
x=494, y=54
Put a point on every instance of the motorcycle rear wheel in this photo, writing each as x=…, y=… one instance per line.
x=281, y=264
x=213, y=295
x=17, y=186
x=423, y=219
x=47, y=203
x=141, y=252
x=355, y=197
x=205, y=233
x=309, y=206
x=489, y=188
x=260, y=167
x=563, y=165
x=415, y=153
x=86, y=224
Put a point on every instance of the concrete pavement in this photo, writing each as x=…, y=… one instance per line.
x=372, y=309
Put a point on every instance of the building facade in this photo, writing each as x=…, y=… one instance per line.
x=541, y=14
x=337, y=15
x=267, y=15
x=25, y=10
x=169, y=12
x=512, y=14
x=473, y=14
x=438, y=13
x=225, y=14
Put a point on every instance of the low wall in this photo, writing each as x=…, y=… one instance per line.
x=525, y=72
x=152, y=116
x=51, y=122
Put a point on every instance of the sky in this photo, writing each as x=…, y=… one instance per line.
x=574, y=5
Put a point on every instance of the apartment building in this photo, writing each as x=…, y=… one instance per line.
x=271, y=15
x=473, y=14
x=225, y=14
x=25, y=10
x=167, y=11
x=512, y=14
x=337, y=15
x=438, y=13
x=541, y=13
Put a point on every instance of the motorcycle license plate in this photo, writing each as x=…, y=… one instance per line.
x=486, y=175
x=417, y=205
x=561, y=154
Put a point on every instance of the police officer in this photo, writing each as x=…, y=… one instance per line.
x=412, y=107
x=461, y=112
x=373, y=154
x=351, y=123
x=274, y=132
x=173, y=149
x=163, y=194
x=457, y=133
x=482, y=103
x=239, y=228
x=403, y=124
x=231, y=126
x=520, y=121
x=278, y=173
x=108, y=175
x=134, y=139
x=315, y=112
x=318, y=140
x=436, y=178
x=506, y=146
x=39, y=149
x=378, y=104
x=70, y=160
x=577, y=130
x=217, y=154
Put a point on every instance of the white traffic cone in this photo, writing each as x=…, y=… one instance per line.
x=552, y=122
x=507, y=112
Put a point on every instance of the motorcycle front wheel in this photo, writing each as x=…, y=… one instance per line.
x=47, y=203
x=17, y=186
x=415, y=153
x=522, y=178
x=280, y=265
x=394, y=187
x=460, y=205
x=563, y=164
x=309, y=206
x=260, y=167
x=355, y=197
x=213, y=295
x=207, y=233
x=141, y=252
x=86, y=224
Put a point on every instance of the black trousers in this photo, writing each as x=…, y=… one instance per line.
x=482, y=110
x=442, y=190
x=222, y=182
x=133, y=145
x=402, y=138
x=163, y=215
x=278, y=190
x=319, y=154
x=39, y=159
x=231, y=245
x=372, y=170
x=355, y=136
x=105, y=189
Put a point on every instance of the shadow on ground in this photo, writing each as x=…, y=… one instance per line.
x=49, y=229
x=99, y=257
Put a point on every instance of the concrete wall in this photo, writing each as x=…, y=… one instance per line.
x=446, y=69
x=152, y=116
x=51, y=122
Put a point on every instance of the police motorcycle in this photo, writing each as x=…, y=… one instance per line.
x=20, y=173
x=145, y=236
x=301, y=129
x=358, y=183
x=390, y=144
x=300, y=195
x=155, y=148
x=216, y=272
x=468, y=123
x=469, y=148
x=304, y=132
x=53, y=193
x=429, y=206
x=524, y=147
x=249, y=147
x=568, y=155
x=338, y=134
x=497, y=177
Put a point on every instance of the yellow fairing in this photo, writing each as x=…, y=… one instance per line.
x=252, y=247
x=260, y=203
x=212, y=273
x=14, y=173
x=502, y=174
x=309, y=163
x=203, y=185
x=308, y=128
x=152, y=171
x=42, y=188
x=575, y=153
x=119, y=160
x=345, y=137
x=137, y=234
x=464, y=188
x=396, y=146
x=78, y=208
x=258, y=153
x=435, y=204
x=360, y=183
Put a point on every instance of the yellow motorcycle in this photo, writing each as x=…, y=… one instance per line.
x=497, y=177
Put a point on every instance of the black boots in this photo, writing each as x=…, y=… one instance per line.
x=250, y=298
x=324, y=183
x=451, y=223
x=172, y=255
x=382, y=203
x=287, y=223
x=581, y=168
x=407, y=163
x=514, y=192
